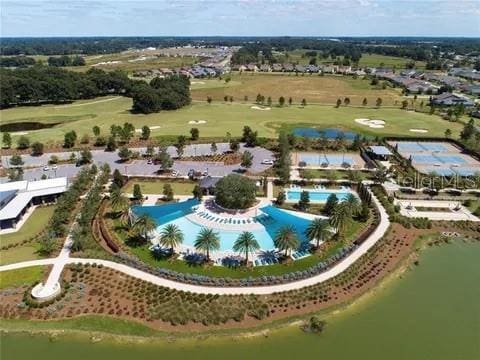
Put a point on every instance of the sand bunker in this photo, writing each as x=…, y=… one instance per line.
x=197, y=83
x=197, y=122
x=20, y=133
x=419, y=130
x=151, y=128
x=374, y=124
x=260, y=108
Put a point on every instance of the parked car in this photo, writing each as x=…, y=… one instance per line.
x=46, y=168
x=54, y=167
x=267, y=162
x=149, y=161
x=175, y=173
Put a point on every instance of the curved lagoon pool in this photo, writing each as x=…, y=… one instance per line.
x=270, y=220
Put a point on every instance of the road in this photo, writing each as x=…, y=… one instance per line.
x=34, y=164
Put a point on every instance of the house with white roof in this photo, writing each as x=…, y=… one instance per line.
x=18, y=196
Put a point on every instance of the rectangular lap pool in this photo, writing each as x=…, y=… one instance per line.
x=316, y=196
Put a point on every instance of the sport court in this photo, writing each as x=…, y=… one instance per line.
x=328, y=160
x=441, y=158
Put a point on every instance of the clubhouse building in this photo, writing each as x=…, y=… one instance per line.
x=17, y=197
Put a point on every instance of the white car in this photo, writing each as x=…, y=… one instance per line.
x=149, y=162
x=175, y=173
x=267, y=162
x=46, y=168
x=54, y=167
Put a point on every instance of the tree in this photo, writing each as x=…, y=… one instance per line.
x=7, y=140
x=118, y=178
x=260, y=99
x=404, y=104
x=247, y=159
x=15, y=174
x=281, y=101
x=197, y=192
x=69, y=139
x=118, y=201
x=180, y=145
x=286, y=239
x=86, y=156
x=234, y=145
x=304, y=201
x=318, y=230
x=235, y=192
x=23, y=142
x=225, y=98
x=37, y=148
x=378, y=102
x=145, y=132
x=353, y=204
x=341, y=218
x=194, y=134
x=304, y=102
x=290, y=101
x=339, y=102
x=143, y=225
x=249, y=137
x=16, y=160
x=330, y=205
x=137, y=192
x=380, y=176
x=448, y=133
x=171, y=236
x=364, y=102
x=96, y=131
x=281, y=197
x=346, y=101
x=207, y=240
x=209, y=99
x=166, y=161
x=168, y=192
x=124, y=153
x=246, y=243
x=111, y=144
x=269, y=101
x=48, y=244
x=213, y=148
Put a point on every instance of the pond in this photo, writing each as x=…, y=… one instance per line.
x=433, y=312
x=328, y=133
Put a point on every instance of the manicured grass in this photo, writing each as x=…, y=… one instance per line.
x=156, y=187
x=83, y=323
x=222, y=118
x=316, y=89
x=375, y=60
x=34, y=225
x=18, y=254
x=332, y=174
x=26, y=276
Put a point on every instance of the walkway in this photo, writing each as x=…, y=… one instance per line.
x=61, y=260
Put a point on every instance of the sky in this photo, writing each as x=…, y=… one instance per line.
x=240, y=18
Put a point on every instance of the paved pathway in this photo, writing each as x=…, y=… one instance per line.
x=61, y=260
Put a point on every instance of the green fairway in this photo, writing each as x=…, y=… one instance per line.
x=375, y=60
x=220, y=118
x=34, y=225
x=26, y=276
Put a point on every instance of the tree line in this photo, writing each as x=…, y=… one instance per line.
x=46, y=84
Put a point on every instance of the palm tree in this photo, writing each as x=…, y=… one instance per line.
x=341, y=218
x=143, y=225
x=171, y=236
x=286, y=239
x=246, y=243
x=318, y=230
x=117, y=200
x=353, y=204
x=207, y=240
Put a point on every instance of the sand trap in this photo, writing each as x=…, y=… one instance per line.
x=374, y=124
x=197, y=122
x=20, y=133
x=197, y=82
x=419, y=130
x=151, y=128
x=260, y=108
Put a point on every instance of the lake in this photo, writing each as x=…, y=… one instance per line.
x=432, y=312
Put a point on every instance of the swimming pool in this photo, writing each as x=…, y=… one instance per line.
x=315, y=195
x=264, y=233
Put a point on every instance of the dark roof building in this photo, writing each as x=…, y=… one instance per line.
x=449, y=99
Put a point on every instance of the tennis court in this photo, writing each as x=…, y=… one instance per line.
x=325, y=160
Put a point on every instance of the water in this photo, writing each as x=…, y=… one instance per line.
x=316, y=195
x=175, y=214
x=328, y=133
x=431, y=313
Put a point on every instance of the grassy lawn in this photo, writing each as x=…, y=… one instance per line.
x=316, y=89
x=156, y=187
x=18, y=254
x=332, y=174
x=221, y=118
x=35, y=224
x=376, y=60
x=26, y=276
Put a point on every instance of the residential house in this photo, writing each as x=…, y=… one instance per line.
x=449, y=99
x=265, y=68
